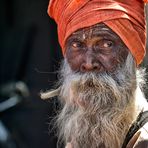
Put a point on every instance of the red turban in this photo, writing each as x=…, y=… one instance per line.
x=125, y=17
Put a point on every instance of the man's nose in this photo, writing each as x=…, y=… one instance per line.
x=90, y=64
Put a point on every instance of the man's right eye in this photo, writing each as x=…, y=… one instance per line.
x=76, y=45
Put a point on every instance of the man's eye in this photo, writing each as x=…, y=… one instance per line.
x=77, y=45
x=107, y=44
x=104, y=44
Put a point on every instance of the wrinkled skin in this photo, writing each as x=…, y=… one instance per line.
x=96, y=48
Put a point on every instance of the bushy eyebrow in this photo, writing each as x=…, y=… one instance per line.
x=100, y=31
x=73, y=39
x=96, y=34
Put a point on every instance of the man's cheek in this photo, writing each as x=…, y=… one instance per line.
x=75, y=65
x=108, y=63
x=75, y=62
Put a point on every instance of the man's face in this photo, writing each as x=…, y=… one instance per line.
x=97, y=86
x=96, y=48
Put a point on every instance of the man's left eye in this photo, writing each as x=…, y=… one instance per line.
x=107, y=44
x=104, y=44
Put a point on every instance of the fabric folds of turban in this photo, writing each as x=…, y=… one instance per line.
x=125, y=17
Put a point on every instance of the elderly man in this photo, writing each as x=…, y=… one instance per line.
x=103, y=42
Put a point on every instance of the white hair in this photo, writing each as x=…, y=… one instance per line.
x=98, y=108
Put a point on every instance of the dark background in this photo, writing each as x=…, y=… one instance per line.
x=29, y=52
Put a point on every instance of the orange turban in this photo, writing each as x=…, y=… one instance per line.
x=125, y=17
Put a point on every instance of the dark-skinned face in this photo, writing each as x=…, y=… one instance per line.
x=95, y=49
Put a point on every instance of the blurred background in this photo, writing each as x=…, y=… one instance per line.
x=29, y=60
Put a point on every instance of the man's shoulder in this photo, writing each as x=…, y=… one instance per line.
x=142, y=141
x=138, y=132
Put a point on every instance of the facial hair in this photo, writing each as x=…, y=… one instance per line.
x=97, y=108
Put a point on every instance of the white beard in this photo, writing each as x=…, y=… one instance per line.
x=98, y=109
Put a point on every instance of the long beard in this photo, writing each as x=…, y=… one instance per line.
x=98, y=109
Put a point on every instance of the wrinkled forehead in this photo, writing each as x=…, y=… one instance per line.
x=93, y=31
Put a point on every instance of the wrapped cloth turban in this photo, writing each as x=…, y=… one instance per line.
x=125, y=17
